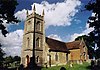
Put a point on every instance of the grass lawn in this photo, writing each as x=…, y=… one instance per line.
x=83, y=66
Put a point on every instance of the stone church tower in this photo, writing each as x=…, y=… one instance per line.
x=28, y=38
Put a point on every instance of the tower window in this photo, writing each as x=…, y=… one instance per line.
x=38, y=42
x=28, y=42
x=37, y=58
x=38, y=26
x=28, y=25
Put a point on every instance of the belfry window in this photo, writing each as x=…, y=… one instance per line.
x=38, y=26
x=37, y=42
x=28, y=26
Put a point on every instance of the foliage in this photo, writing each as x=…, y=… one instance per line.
x=1, y=56
x=7, y=8
x=9, y=59
x=94, y=21
x=17, y=58
x=12, y=61
x=83, y=66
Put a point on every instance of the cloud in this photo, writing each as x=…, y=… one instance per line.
x=59, y=14
x=12, y=43
x=21, y=15
x=56, y=14
x=54, y=36
x=85, y=32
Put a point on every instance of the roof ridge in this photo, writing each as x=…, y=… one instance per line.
x=56, y=40
x=73, y=41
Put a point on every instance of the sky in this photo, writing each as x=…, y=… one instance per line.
x=65, y=20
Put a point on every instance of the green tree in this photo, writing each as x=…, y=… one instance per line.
x=7, y=8
x=9, y=59
x=94, y=21
x=17, y=58
x=1, y=56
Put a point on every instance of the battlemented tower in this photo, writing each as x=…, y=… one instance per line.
x=37, y=21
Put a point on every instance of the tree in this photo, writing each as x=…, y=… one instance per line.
x=7, y=8
x=1, y=56
x=17, y=58
x=9, y=59
x=94, y=21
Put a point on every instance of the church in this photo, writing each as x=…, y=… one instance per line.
x=48, y=52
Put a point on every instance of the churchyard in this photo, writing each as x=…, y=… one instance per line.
x=84, y=66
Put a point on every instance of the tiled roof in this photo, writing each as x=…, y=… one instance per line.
x=56, y=45
x=59, y=46
x=73, y=45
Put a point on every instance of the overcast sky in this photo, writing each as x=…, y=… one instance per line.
x=64, y=21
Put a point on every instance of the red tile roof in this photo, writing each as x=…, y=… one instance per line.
x=73, y=45
x=59, y=46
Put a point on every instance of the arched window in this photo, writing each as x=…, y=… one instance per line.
x=28, y=25
x=67, y=57
x=27, y=60
x=37, y=58
x=37, y=42
x=56, y=57
x=38, y=26
x=71, y=56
